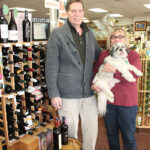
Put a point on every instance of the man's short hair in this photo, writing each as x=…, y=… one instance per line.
x=73, y=1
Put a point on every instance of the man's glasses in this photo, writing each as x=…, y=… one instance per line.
x=119, y=37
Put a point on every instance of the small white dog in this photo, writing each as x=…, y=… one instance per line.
x=106, y=80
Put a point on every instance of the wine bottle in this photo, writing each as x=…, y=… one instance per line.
x=57, y=136
x=29, y=59
x=26, y=28
x=139, y=117
x=8, y=89
x=29, y=49
x=17, y=59
x=7, y=73
x=18, y=87
x=26, y=68
x=25, y=57
x=18, y=50
x=35, y=48
x=35, y=57
x=3, y=28
x=12, y=29
x=6, y=61
x=35, y=74
x=27, y=77
x=35, y=66
x=64, y=131
x=5, y=51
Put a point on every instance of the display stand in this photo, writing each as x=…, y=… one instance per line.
x=144, y=93
x=34, y=53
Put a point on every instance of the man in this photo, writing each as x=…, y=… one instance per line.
x=71, y=52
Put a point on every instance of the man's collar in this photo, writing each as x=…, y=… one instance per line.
x=83, y=26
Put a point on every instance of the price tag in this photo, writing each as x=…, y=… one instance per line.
x=1, y=81
x=10, y=96
x=27, y=44
x=33, y=80
x=20, y=92
x=15, y=101
x=18, y=44
x=6, y=45
x=44, y=43
x=36, y=43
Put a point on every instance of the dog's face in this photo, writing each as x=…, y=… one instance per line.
x=119, y=50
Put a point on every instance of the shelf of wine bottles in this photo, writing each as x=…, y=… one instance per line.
x=24, y=102
x=143, y=116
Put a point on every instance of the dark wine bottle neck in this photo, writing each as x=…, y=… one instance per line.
x=1, y=12
x=12, y=15
x=26, y=14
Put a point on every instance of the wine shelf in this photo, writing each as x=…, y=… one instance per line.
x=23, y=92
x=143, y=116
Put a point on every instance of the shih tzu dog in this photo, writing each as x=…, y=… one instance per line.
x=106, y=81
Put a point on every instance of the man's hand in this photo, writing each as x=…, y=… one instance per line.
x=95, y=88
x=56, y=102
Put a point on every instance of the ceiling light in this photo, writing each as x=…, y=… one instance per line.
x=23, y=9
x=98, y=10
x=147, y=6
x=115, y=15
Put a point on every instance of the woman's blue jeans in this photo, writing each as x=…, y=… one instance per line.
x=123, y=119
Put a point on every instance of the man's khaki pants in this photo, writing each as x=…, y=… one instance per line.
x=86, y=108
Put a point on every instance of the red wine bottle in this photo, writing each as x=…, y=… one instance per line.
x=57, y=136
x=64, y=131
x=3, y=28
x=12, y=29
x=26, y=28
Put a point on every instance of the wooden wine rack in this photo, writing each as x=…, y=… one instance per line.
x=11, y=98
x=144, y=91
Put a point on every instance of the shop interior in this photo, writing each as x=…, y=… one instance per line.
x=133, y=16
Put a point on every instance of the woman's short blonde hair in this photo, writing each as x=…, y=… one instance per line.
x=113, y=32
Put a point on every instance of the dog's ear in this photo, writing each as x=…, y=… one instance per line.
x=111, y=50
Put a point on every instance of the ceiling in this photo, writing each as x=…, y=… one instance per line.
x=128, y=8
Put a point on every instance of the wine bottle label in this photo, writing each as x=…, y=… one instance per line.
x=139, y=120
x=12, y=35
x=4, y=31
x=1, y=58
x=60, y=145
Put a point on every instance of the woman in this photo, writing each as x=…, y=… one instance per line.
x=121, y=115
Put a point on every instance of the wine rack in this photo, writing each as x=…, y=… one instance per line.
x=23, y=92
x=144, y=93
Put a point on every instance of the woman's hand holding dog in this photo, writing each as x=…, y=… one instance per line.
x=56, y=102
x=109, y=68
x=95, y=88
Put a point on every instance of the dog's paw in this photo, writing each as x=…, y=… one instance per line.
x=139, y=73
x=111, y=99
x=111, y=95
x=131, y=79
